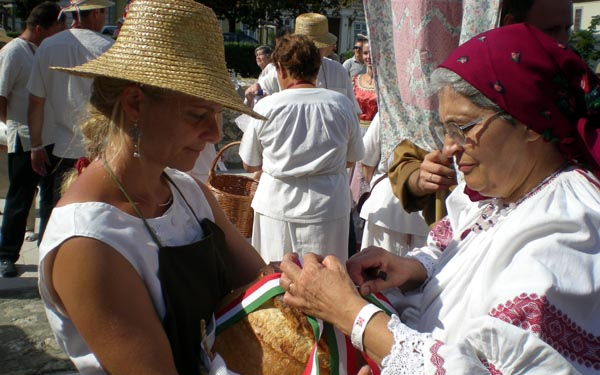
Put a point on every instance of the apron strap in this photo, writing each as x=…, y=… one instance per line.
x=183, y=196
x=135, y=208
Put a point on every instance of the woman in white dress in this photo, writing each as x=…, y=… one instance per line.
x=387, y=224
x=509, y=281
x=137, y=254
x=311, y=136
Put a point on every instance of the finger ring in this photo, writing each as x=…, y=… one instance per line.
x=290, y=288
x=430, y=177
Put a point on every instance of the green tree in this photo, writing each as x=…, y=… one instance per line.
x=255, y=12
x=585, y=42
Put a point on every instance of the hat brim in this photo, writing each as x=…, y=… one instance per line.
x=200, y=84
x=324, y=40
x=98, y=4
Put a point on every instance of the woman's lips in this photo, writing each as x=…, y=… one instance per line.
x=465, y=167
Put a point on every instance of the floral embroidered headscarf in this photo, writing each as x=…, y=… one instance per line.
x=539, y=82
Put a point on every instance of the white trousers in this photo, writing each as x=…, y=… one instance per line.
x=273, y=238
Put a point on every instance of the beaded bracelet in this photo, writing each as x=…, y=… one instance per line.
x=360, y=324
x=37, y=148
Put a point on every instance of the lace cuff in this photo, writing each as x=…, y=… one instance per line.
x=428, y=261
x=406, y=357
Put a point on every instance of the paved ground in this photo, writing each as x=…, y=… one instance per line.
x=27, y=346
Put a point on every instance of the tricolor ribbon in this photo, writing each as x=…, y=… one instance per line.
x=342, y=355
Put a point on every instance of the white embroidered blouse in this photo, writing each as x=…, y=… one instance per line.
x=519, y=295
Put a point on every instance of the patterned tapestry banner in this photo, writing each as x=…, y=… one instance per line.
x=409, y=38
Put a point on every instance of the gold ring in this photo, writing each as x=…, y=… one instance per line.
x=290, y=288
x=430, y=177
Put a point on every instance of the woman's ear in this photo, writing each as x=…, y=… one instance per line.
x=281, y=71
x=531, y=136
x=131, y=101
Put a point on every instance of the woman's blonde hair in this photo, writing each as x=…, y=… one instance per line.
x=106, y=118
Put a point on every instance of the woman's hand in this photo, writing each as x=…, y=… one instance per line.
x=375, y=269
x=435, y=174
x=321, y=288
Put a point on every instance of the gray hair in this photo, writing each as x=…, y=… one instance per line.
x=263, y=49
x=442, y=77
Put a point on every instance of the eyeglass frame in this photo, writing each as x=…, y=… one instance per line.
x=357, y=47
x=461, y=130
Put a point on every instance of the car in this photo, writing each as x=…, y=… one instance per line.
x=239, y=37
x=108, y=30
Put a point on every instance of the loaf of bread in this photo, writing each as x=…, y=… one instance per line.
x=275, y=339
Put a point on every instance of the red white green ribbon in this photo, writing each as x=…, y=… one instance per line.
x=342, y=353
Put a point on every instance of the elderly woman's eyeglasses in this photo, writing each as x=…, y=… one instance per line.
x=458, y=133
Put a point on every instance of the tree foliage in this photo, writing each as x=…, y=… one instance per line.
x=24, y=7
x=586, y=42
x=255, y=12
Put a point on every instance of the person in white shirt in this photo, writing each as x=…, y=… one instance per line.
x=16, y=59
x=387, y=225
x=310, y=138
x=65, y=95
x=356, y=65
x=332, y=74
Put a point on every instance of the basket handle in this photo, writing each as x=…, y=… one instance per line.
x=218, y=156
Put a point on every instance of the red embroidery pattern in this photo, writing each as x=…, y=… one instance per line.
x=437, y=359
x=491, y=368
x=442, y=233
x=535, y=314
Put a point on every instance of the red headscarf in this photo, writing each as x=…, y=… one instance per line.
x=537, y=81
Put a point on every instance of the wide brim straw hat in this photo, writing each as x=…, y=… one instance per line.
x=171, y=44
x=315, y=27
x=3, y=37
x=79, y=5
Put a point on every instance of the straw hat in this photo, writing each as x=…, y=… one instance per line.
x=3, y=37
x=315, y=26
x=171, y=44
x=79, y=5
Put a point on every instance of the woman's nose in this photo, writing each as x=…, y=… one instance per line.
x=451, y=147
x=212, y=133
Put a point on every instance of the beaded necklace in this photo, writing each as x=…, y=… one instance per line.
x=497, y=209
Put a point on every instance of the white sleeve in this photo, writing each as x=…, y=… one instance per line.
x=269, y=82
x=489, y=346
x=251, y=149
x=6, y=78
x=35, y=85
x=372, y=145
x=356, y=148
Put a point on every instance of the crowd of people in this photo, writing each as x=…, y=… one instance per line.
x=136, y=254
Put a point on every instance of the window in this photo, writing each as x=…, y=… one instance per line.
x=577, y=20
x=360, y=27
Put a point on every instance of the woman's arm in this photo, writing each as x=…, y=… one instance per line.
x=111, y=308
x=245, y=260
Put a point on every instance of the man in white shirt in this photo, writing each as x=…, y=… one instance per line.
x=355, y=65
x=16, y=59
x=66, y=95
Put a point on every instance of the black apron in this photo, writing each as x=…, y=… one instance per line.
x=193, y=278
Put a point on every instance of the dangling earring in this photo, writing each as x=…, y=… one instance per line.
x=135, y=135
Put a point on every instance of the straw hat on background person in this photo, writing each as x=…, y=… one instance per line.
x=79, y=5
x=316, y=27
x=162, y=44
x=3, y=37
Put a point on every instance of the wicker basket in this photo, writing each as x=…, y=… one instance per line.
x=234, y=193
